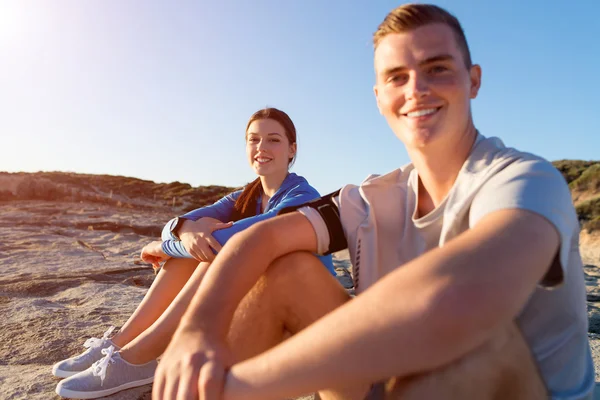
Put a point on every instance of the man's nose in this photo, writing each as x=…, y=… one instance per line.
x=417, y=87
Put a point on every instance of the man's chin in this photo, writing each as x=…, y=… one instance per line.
x=417, y=139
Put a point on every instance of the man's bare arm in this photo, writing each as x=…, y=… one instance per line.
x=467, y=289
x=239, y=265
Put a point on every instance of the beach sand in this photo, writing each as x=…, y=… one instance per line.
x=70, y=270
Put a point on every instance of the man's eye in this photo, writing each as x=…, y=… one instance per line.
x=397, y=79
x=438, y=69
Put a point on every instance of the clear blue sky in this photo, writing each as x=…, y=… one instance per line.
x=162, y=90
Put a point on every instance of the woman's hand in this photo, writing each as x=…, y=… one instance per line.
x=193, y=366
x=197, y=237
x=153, y=253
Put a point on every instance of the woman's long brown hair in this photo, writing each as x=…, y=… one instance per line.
x=245, y=205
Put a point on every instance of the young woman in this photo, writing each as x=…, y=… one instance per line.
x=128, y=359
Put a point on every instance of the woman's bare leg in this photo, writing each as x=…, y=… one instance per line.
x=153, y=341
x=166, y=286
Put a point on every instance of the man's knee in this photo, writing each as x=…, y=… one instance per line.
x=501, y=368
x=280, y=303
x=296, y=268
x=281, y=276
x=298, y=289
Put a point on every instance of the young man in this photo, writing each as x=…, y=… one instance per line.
x=466, y=264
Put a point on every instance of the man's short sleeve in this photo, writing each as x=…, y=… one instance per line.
x=323, y=214
x=534, y=185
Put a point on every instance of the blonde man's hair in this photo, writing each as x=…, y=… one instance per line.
x=412, y=16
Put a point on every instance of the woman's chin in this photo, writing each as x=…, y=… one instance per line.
x=266, y=171
x=262, y=170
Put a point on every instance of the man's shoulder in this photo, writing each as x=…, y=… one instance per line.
x=398, y=176
x=491, y=157
x=495, y=176
x=505, y=177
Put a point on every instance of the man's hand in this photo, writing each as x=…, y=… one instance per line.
x=197, y=238
x=153, y=253
x=193, y=367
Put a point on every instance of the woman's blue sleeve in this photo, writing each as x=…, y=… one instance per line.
x=295, y=197
x=220, y=210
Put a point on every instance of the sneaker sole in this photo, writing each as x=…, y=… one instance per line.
x=60, y=373
x=101, y=393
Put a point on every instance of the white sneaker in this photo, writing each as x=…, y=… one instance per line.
x=107, y=376
x=73, y=365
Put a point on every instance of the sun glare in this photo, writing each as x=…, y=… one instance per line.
x=11, y=22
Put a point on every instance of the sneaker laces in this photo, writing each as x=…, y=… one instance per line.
x=100, y=366
x=95, y=342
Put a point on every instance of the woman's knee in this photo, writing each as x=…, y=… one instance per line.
x=180, y=263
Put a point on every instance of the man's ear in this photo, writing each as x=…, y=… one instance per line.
x=376, y=92
x=475, y=76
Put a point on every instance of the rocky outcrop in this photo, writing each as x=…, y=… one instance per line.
x=67, y=272
x=106, y=189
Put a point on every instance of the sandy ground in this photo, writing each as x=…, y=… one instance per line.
x=70, y=270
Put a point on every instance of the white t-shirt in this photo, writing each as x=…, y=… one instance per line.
x=382, y=232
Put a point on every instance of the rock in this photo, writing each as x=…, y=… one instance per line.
x=118, y=191
x=62, y=283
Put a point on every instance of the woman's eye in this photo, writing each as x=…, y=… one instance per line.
x=275, y=140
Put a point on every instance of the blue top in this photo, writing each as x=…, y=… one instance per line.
x=294, y=190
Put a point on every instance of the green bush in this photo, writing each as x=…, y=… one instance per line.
x=588, y=180
x=573, y=169
x=593, y=225
x=589, y=213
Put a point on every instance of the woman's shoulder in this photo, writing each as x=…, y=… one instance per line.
x=234, y=195
x=296, y=183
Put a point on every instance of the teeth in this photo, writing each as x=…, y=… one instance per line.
x=421, y=113
x=263, y=160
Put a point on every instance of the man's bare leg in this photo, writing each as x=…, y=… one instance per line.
x=166, y=286
x=152, y=342
x=294, y=292
x=502, y=368
x=297, y=290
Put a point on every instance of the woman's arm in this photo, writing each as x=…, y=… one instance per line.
x=294, y=197
x=220, y=210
